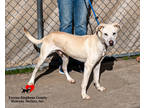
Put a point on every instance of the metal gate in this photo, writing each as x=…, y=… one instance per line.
x=23, y=13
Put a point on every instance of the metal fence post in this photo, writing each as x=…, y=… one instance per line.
x=40, y=18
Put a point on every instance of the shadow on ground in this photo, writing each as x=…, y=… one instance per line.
x=107, y=64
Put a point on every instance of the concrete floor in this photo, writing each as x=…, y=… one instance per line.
x=121, y=78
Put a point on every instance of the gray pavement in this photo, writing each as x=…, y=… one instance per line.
x=53, y=91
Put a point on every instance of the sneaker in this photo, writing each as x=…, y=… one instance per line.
x=61, y=70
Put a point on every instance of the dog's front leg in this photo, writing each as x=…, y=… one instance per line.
x=87, y=71
x=96, y=72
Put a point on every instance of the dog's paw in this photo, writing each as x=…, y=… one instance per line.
x=85, y=97
x=72, y=81
x=101, y=89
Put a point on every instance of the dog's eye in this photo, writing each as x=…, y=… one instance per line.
x=114, y=33
x=105, y=34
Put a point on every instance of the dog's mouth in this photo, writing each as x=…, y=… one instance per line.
x=111, y=42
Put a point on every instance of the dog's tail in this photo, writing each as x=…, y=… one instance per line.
x=31, y=38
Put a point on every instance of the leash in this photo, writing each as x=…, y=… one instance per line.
x=96, y=18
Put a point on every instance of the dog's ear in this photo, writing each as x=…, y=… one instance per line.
x=101, y=26
x=116, y=25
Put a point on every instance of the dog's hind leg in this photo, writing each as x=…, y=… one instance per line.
x=64, y=66
x=43, y=54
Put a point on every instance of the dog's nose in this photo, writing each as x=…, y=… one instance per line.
x=111, y=42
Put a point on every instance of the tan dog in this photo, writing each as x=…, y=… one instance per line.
x=89, y=49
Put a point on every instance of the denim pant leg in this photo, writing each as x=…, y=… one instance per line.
x=80, y=16
x=65, y=15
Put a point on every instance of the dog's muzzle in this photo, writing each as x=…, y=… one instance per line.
x=111, y=42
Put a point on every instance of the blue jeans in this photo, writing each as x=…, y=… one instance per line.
x=73, y=11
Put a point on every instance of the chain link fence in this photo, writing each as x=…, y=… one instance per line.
x=23, y=13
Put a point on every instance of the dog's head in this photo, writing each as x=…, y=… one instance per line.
x=108, y=32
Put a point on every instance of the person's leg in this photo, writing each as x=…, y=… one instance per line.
x=80, y=16
x=65, y=15
x=66, y=18
x=80, y=20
